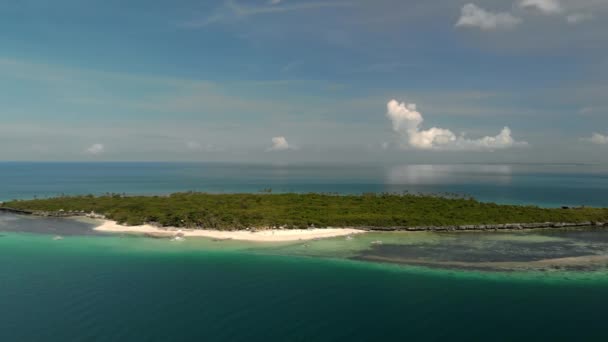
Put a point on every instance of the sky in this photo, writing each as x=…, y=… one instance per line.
x=382, y=81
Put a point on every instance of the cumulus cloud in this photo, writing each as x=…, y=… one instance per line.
x=475, y=16
x=95, y=149
x=598, y=139
x=274, y=2
x=406, y=121
x=279, y=144
x=544, y=6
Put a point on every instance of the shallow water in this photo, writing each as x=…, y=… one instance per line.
x=542, y=249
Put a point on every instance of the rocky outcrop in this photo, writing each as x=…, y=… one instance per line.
x=490, y=227
x=59, y=213
x=15, y=211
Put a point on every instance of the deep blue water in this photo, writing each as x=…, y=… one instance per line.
x=113, y=289
x=545, y=185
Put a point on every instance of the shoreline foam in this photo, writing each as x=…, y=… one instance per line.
x=270, y=235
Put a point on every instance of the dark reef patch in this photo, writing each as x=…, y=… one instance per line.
x=564, y=250
x=591, y=235
x=493, y=251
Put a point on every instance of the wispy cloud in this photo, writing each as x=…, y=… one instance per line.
x=385, y=67
x=544, y=6
x=573, y=16
x=474, y=16
x=577, y=18
x=598, y=139
x=120, y=92
x=291, y=66
x=592, y=110
x=231, y=10
x=573, y=12
x=241, y=10
x=199, y=147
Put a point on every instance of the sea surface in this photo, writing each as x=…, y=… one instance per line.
x=62, y=281
x=544, y=185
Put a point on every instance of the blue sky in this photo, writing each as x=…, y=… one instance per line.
x=293, y=80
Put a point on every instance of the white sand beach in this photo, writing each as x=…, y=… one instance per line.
x=270, y=235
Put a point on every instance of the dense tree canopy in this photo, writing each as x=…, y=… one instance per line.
x=237, y=211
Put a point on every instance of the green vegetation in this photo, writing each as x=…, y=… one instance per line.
x=236, y=211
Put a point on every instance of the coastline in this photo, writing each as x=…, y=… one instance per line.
x=367, y=212
x=269, y=235
x=150, y=229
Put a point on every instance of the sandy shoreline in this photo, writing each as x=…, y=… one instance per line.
x=271, y=235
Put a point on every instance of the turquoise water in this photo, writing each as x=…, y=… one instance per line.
x=100, y=287
x=61, y=281
x=545, y=185
x=134, y=289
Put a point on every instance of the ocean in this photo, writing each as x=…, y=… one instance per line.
x=544, y=185
x=86, y=286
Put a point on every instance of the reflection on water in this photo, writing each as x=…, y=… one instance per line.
x=449, y=174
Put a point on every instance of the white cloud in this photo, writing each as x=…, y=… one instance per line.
x=575, y=12
x=279, y=144
x=576, y=18
x=407, y=120
x=475, y=16
x=274, y=2
x=598, y=139
x=96, y=149
x=544, y=6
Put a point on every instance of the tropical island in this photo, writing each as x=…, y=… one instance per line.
x=269, y=212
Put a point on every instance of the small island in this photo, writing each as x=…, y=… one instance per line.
x=287, y=217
